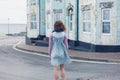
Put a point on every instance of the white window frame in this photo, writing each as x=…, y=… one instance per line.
x=87, y=21
x=108, y=20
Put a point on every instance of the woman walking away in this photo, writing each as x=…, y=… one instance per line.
x=58, y=49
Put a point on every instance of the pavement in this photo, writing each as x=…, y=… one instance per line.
x=109, y=57
x=2, y=36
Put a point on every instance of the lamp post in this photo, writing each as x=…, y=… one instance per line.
x=8, y=25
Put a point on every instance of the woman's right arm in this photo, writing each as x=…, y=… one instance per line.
x=50, y=44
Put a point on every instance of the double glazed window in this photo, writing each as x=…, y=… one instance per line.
x=106, y=21
x=33, y=21
x=86, y=21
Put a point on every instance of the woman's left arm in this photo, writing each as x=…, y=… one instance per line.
x=66, y=41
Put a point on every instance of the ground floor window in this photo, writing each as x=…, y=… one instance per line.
x=106, y=27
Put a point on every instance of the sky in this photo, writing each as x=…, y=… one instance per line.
x=15, y=10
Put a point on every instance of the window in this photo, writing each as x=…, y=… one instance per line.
x=33, y=21
x=71, y=20
x=106, y=27
x=86, y=21
x=106, y=21
x=33, y=2
x=57, y=16
x=33, y=25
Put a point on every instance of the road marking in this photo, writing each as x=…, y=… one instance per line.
x=43, y=55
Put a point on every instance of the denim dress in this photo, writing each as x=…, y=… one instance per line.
x=59, y=53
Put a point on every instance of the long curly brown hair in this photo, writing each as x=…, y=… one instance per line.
x=59, y=25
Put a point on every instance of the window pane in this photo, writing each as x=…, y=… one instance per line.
x=106, y=14
x=106, y=27
x=33, y=25
x=33, y=17
x=86, y=15
x=70, y=17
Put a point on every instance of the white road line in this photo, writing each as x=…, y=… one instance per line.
x=34, y=53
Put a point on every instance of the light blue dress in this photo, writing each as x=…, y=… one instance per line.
x=59, y=53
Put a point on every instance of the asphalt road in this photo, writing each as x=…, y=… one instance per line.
x=15, y=65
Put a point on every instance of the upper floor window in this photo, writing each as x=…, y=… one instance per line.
x=87, y=21
x=33, y=2
x=106, y=21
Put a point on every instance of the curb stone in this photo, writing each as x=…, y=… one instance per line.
x=72, y=57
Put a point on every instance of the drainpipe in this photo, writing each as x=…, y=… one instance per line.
x=77, y=31
x=39, y=18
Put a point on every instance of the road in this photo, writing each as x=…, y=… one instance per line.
x=16, y=65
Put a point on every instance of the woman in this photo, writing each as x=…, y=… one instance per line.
x=58, y=49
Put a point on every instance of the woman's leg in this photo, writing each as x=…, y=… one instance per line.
x=56, y=73
x=62, y=72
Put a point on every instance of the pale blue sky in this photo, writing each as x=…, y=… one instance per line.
x=13, y=9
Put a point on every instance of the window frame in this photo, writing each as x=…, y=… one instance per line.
x=33, y=21
x=71, y=20
x=87, y=29
x=106, y=21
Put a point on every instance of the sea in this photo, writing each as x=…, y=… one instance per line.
x=12, y=28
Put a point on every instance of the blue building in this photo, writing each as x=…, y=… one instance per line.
x=92, y=25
